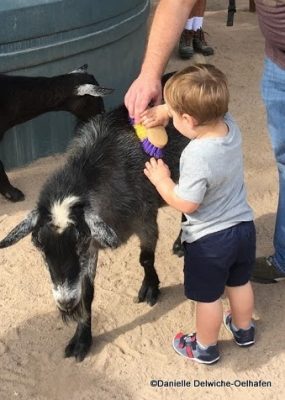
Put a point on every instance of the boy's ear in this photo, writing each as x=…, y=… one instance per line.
x=191, y=121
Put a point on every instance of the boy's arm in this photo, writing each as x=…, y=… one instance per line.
x=165, y=188
x=159, y=175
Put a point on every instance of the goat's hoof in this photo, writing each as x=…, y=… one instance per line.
x=149, y=294
x=78, y=348
x=14, y=194
x=177, y=248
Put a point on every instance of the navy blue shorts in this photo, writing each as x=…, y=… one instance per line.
x=220, y=259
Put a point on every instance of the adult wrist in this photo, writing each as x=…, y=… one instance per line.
x=150, y=73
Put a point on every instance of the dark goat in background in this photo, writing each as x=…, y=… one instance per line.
x=99, y=198
x=23, y=98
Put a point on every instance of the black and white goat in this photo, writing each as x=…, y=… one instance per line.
x=99, y=198
x=23, y=98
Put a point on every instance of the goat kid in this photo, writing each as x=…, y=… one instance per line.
x=23, y=98
x=98, y=199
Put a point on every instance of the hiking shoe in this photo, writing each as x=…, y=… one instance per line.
x=265, y=271
x=187, y=346
x=242, y=337
x=200, y=45
x=185, y=49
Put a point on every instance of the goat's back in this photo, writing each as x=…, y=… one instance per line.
x=108, y=148
x=105, y=169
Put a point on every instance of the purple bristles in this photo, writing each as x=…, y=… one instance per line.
x=151, y=150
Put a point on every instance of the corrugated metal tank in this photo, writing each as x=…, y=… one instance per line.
x=51, y=37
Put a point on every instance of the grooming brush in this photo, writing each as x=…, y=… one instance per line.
x=153, y=140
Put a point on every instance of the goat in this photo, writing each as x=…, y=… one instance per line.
x=98, y=199
x=23, y=98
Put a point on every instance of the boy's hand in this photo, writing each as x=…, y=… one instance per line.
x=155, y=116
x=156, y=171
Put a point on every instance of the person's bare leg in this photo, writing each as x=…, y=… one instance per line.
x=199, y=9
x=242, y=304
x=209, y=318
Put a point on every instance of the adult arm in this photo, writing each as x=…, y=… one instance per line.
x=168, y=23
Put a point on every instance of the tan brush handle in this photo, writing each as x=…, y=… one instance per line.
x=157, y=136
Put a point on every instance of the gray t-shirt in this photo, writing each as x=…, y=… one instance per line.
x=211, y=174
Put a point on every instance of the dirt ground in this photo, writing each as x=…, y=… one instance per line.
x=132, y=342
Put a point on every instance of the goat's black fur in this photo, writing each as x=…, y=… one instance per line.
x=23, y=98
x=104, y=171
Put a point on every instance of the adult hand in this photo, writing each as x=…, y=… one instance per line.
x=144, y=89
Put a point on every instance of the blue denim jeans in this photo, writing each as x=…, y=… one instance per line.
x=273, y=93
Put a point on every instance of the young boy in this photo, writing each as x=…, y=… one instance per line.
x=219, y=233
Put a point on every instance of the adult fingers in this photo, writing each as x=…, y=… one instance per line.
x=143, y=91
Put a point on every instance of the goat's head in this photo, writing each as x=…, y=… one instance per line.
x=69, y=235
x=86, y=101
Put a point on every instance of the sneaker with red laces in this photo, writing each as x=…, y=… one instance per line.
x=242, y=337
x=186, y=345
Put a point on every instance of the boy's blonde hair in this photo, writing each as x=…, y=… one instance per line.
x=199, y=90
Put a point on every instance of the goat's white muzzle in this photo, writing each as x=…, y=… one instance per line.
x=66, y=296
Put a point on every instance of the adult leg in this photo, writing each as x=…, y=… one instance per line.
x=273, y=93
x=199, y=42
x=186, y=49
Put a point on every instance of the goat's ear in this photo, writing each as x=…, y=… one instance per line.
x=92, y=90
x=101, y=232
x=21, y=230
x=80, y=70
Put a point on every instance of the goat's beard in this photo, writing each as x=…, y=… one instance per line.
x=78, y=313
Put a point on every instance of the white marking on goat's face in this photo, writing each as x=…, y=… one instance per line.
x=66, y=295
x=60, y=213
x=87, y=88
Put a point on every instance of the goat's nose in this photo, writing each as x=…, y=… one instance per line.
x=66, y=305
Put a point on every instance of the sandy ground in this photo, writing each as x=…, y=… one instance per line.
x=132, y=342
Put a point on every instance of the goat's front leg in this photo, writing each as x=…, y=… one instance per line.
x=149, y=290
x=81, y=342
x=11, y=193
x=177, y=247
